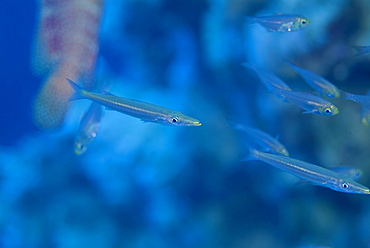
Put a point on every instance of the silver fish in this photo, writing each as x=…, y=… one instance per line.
x=280, y=22
x=145, y=111
x=268, y=79
x=89, y=128
x=346, y=171
x=311, y=103
x=312, y=173
x=264, y=140
x=317, y=82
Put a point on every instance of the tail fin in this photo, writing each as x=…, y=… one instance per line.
x=361, y=49
x=345, y=95
x=252, y=155
x=78, y=95
x=250, y=20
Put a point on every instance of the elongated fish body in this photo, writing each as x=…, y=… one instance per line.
x=312, y=173
x=311, y=103
x=266, y=141
x=145, y=111
x=361, y=49
x=89, y=128
x=268, y=79
x=317, y=82
x=280, y=22
x=346, y=171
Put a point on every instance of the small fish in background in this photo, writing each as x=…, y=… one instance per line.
x=349, y=172
x=89, y=128
x=311, y=103
x=147, y=112
x=365, y=114
x=361, y=49
x=262, y=139
x=280, y=22
x=314, y=174
x=268, y=79
x=317, y=82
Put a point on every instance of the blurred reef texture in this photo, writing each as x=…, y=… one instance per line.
x=145, y=185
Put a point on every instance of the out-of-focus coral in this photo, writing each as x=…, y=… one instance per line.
x=66, y=46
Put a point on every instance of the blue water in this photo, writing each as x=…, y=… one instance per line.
x=147, y=185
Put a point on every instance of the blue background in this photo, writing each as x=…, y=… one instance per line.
x=148, y=185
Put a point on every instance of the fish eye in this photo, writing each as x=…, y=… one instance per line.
x=174, y=120
x=303, y=21
x=344, y=185
x=327, y=110
x=80, y=146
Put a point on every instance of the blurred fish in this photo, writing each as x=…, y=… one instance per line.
x=313, y=104
x=89, y=128
x=264, y=140
x=361, y=49
x=365, y=114
x=280, y=22
x=317, y=82
x=142, y=110
x=312, y=173
x=364, y=100
x=269, y=79
x=349, y=172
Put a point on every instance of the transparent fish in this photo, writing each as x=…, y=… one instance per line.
x=317, y=82
x=145, y=111
x=280, y=22
x=365, y=114
x=364, y=100
x=268, y=79
x=312, y=173
x=264, y=140
x=349, y=171
x=361, y=49
x=311, y=103
x=89, y=128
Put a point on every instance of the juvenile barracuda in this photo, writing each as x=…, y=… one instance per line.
x=264, y=140
x=268, y=79
x=280, y=22
x=311, y=103
x=145, y=111
x=312, y=173
x=89, y=128
x=346, y=171
x=361, y=49
x=317, y=82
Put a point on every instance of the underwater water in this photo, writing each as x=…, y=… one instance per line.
x=142, y=184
